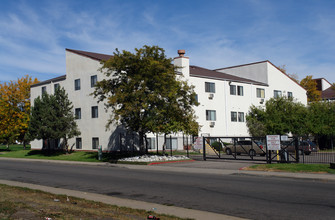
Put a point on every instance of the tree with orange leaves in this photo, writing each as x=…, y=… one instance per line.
x=15, y=110
x=313, y=95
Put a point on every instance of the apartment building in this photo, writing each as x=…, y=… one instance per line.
x=326, y=89
x=225, y=96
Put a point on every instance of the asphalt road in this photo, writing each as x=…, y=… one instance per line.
x=254, y=197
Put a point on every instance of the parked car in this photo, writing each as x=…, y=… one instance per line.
x=306, y=147
x=252, y=148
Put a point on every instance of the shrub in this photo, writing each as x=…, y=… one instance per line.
x=217, y=146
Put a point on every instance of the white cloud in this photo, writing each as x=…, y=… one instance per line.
x=34, y=38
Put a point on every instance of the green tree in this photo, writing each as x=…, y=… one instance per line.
x=321, y=118
x=255, y=120
x=144, y=95
x=313, y=95
x=280, y=116
x=52, y=118
x=321, y=122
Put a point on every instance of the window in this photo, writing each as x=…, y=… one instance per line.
x=241, y=116
x=151, y=143
x=56, y=86
x=209, y=87
x=94, y=80
x=95, y=143
x=289, y=94
x=77, y=84
x=276, y=93
x=78, y=143
x=77, y=113
x=233, y=116
x=240, y=90
x=44, y=90
x=94, y=111
x=210, y=115
x=232, y=90
x=196, y=98
x=171, y=141
x=260, y=93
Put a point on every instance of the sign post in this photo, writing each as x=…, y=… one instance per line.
x=100, y=152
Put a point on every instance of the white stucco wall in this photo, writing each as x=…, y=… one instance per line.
x=325, y=84
x=280, y=81
x=81, y=67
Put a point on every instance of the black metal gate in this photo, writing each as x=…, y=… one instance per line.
x=293, y=150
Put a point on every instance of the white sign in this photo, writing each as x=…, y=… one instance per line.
x=198, y=143
x=284, y=138
x=273, y=142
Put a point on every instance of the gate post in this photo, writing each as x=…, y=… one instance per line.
x=204, y=148
x=268, y=152
x=296, y=145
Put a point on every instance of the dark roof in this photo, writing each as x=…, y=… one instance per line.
x=196, y=71
x=328, y=93
x=94, y=56
x=59, y=78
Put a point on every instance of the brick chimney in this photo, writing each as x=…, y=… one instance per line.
x=183, y=63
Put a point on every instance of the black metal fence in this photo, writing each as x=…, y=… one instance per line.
x=292, y=150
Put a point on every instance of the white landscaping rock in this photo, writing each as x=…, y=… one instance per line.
x=153, y=158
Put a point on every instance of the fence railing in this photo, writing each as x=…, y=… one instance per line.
x=293, y=150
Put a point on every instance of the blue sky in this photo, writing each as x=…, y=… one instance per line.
x=299, y=34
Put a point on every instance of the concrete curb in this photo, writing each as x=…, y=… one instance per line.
x=157, y=208
x=174, y=161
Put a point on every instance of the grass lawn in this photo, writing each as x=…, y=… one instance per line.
x=23, y=203
x=17, y=151
x=294, y=167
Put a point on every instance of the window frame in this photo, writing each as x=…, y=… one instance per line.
x=239, y=118
x=210, y=114
x=240, y=90
x=94, y=80
x=44, y=89
x=95, y=142
x=56, y=86
x=77, y=84
x=277, y=93
x=259, y=93
x=232, y=89
x=210, y=87
x=233, y=116
x=174, y=142
x=94, y=111
x=79, y=146
x=76, y=111
x=289, y=94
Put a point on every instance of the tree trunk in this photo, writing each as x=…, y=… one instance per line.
x=48, y=143
x=66, y=145
x=164, y=145
x=141, y=134
x=146, y=144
